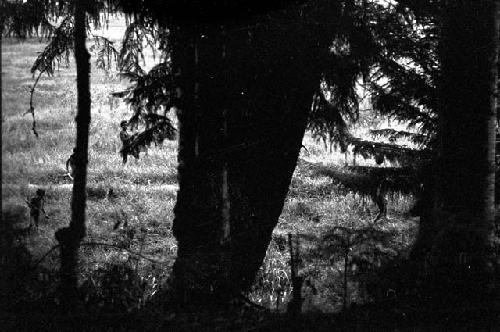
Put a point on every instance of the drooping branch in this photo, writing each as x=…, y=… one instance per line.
x=391, y=152
x=31, y=110
x=160, y=128
x=106, y=52
x=59, y=47
x=327, y=123
x=393, y=135
x=24, y=19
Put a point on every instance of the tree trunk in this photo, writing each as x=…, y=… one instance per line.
x=70, y=237
x=243, y=101
x=462, y=248
x=1, y=36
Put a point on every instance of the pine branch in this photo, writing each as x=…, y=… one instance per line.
x=31, y=110
x=150, y=91
x=138, y=35
x=59, y=46
x=364, y=180
x=157, y=133
x=327, y=123
x=24, y=19
x=391, y=152
x=393, y=135
x=106, y=52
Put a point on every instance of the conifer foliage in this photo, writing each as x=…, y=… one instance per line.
x=150, y=94
x=391, y=55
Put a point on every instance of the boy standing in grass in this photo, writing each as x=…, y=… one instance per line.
x=127, y=140
x=36, y=206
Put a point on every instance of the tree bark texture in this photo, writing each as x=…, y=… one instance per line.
x=70, y=237
x=243, y=100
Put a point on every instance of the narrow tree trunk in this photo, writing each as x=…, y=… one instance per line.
x=70, y=237
x=1, y=36
x=469, y=53
x=243, y=111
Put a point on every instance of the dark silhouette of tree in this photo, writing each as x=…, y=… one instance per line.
x=246, y=83
x=245, y=91
x=467, y=117
x=70, y=237
x=26, y=19
x=467, y=128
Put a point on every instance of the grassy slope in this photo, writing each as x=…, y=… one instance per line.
x=146, y=189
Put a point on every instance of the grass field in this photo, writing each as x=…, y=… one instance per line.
x=146, y=192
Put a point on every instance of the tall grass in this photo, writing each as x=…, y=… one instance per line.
x=145, y=190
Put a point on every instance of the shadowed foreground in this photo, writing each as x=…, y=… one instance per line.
x=366, y=318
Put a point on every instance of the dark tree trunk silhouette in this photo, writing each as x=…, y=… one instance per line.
x=462, y=248
x=70, y=237
x=468, y=116
x=1, y=41
x=244, y=99
x=1, y=36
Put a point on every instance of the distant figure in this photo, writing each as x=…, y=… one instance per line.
x=71, y=164
x=378, y=197
x=379, y=158
x=127, y=148
x=36, y=206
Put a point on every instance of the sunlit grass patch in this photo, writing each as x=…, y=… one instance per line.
x=318, y=202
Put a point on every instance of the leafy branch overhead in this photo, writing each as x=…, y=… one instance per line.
x=23, y=19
